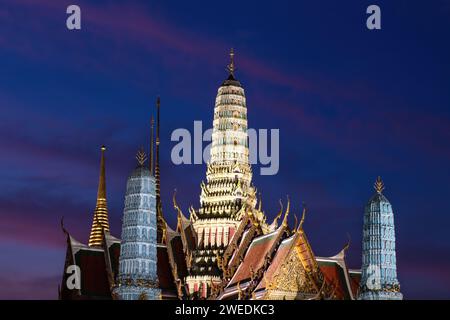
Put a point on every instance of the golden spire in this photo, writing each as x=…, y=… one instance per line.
x=141, y=157
x=231, y=67
x=379, y=185
x=100, y=221
x=150, y=163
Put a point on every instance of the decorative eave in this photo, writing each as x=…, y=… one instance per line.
x=339, y=259
x=256, y=275
x=274, y=225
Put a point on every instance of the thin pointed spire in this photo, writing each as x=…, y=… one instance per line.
x=161, y=224
x=157, y=169
x=150, y=162
x=231, y=68
x=100, y=220
x=101, y=192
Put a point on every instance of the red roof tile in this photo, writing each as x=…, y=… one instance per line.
x=254, y=258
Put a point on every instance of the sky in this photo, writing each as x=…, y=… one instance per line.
x=350, y=104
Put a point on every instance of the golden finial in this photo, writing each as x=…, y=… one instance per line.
x=295, y=223
x=141, y=157
x=175, y=204
x=302, y=220
x=379, y=185
x=286, y=214
x=260, y=203
x=231, y=67
x=347, y=245
x=174, y=199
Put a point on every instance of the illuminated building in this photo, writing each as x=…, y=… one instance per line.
x=228, y=192
x=225, y=249
x=379, y=264
x=137, y=278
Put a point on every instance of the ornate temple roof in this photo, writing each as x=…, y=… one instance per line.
x=254, y=258
x=99, y=269
x=336, y=274
x=280, y=256
x=93, y=277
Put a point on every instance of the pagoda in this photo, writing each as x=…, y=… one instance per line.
x=228, y=192
x=137, y=278
x=379, y=263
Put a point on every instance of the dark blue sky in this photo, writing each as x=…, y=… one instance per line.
x=350, y=104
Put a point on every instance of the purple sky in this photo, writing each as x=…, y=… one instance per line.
x=351, y=104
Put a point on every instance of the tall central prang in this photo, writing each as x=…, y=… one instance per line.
x=228, y=190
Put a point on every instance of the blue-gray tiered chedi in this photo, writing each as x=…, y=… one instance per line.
x=137, y=277
x=379, y=266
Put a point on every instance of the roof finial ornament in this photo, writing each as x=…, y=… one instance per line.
x=175, y=204
x=286, y=214
x=231, y=67
x=379, y=185
x=141, y=157
x=300, y=226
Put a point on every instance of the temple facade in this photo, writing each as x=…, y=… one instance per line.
x=225, y=248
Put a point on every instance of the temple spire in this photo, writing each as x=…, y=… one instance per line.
x=231, y=68
x=157, y=172
x=379, y=263
x=100, y=220
x=161, y=225
x=150, y=162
